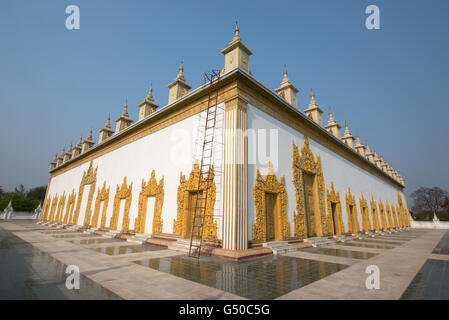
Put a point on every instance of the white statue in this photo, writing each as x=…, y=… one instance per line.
x=8, y=212
x=37, y=212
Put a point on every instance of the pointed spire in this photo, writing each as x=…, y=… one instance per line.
x=150, y=93
x=359, y=147
x=369, y=154
x=90, y=135
x=332, y=125
x=348, y=138
x=181, y=71
x=108, y=122
x=287, y=90
x=236, y=53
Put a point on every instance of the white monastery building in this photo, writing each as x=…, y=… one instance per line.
x=274, y=172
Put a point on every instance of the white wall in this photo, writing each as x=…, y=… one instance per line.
x=340, y=171
x=169, y=151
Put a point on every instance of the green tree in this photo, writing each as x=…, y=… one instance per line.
x=37, y=193
x=19, y=202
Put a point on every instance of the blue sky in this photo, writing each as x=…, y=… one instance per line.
x=391, y=84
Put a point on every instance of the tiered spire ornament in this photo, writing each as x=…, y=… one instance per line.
x=68, y=154
x=107, y=131
x=147, y=106
x=332, y=125
x=88, y=143
x=287, y=90
x=359, y=147
x=54, y=162
x=236, y=53
x=60, y=158
x=78, y=148
x=123, y=121
x=348, y=138
x=383, y=164
x=369, y=154
x=179, y=87
x=313, y=110
x=377, y=160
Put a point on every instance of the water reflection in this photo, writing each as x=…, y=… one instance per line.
x=341, y=253
x=263, y=278
x=93, y=241
x=113, y=251
x=367, y=245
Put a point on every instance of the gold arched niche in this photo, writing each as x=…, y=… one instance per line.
x=102, y=195
x=69, y=207
x=364, y=212
x=60, y=208
x=123, y=192
x=388, y=213
x=89, y=178
x=334, y=217
x=187, y=192
x=309, y=217
x=351, y=211
x=151, y=189
x=270, y=224
x=53, y=208
x=374, y=215
x=396, y=216
x=382, y=214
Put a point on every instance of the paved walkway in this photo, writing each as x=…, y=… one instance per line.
x=121, y=276
x=398, y=266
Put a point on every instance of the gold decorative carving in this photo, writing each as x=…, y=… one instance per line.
x=89, y=178
x=374, y=215
x=61, y=204
x=46, y=209
x=123, y=192
x=70, y=207
x=102, y=195
x=271, y=225
x=351, y=211
x=389, y=217
x=382, y=215
x=53, y=208
x=151, y=189
x=187, y=190
x=363, y=204
x=403, y=213
x=334, y=217
x=309, y=217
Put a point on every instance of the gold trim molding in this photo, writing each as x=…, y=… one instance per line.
x=60, y=211
x=53, y=208
x=151, y=189
x=308, y=224
x=333, y=198
x=264, y=228
x=388, y=213
x=123, y=192
x=182, y=225
x=351, y=211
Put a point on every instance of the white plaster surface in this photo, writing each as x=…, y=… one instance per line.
x=340, y=171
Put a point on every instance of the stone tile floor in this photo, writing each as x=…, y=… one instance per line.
x=117, y=250
x=169, y=274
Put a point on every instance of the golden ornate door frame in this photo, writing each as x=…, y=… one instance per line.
x=364, y=211
x=333, y=198
x=302, y=164
x=374, y=215
x=151, y=189
x=102, y=195
x=69, y=207
x=382, y=214
x=60, y=208
x=53, y=208
x=351, y=211
x=180, y=224
x=123, y=192
x=270, y=184
x=388, y=213
x=89, y=178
